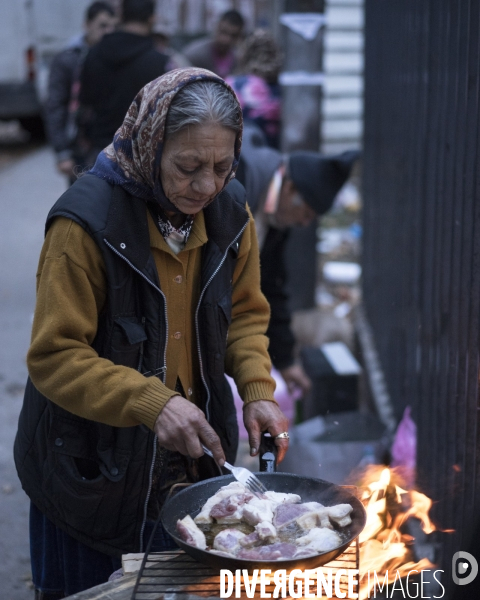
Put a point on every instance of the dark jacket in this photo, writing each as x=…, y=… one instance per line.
x=258, y=163
x=90, y=479
x=60, y=109
x=115, y=70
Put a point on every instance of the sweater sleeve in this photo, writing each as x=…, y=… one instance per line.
x=63, y=366
x=247, y=359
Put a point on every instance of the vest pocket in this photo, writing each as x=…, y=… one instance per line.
x=83, y=493
x=128, y=337
x=74, y=499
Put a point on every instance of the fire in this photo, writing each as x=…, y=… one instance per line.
x=383, y=546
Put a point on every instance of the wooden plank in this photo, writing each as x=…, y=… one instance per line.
x=121, y=589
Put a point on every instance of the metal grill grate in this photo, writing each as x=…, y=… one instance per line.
x=176, y=573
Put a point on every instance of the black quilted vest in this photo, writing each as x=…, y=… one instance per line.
x=108, y=512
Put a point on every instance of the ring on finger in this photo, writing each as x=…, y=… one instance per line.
x=282, y=436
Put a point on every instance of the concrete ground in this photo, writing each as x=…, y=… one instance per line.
x=29, y=185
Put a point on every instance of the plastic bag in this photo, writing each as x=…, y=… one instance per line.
x=404, y=448
x=286, y=401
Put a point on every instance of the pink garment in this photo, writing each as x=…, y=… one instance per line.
x=223, y=64
x=286, y=401
x=261, y=104
x=256, y=94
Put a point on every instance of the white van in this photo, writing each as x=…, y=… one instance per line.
x=31, y=33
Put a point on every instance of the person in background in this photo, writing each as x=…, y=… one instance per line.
x=285, y=191
x=115, y=70
x=217, y=53
x=161, y=40
x=64, y=87
x=256, y=84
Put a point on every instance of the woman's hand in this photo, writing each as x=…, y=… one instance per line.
x=66, y=167
x=182, y=426
x=295, y=377
x=264, y=415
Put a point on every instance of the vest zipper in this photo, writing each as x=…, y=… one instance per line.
x=207, y=411
x=140, y=359
x=149, y=491
x=163, y=371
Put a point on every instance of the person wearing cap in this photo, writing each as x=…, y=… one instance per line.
x=284, y=191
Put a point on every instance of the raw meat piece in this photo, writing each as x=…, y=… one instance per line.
x=285, y=514
x=258, y=510
x=340, y=514
x=190, y=533
x=309, y=520
x=251, y=540
x=281, y=498
x=323, y=520
x=228, y=541
x=278, y=551
x=203, y=517
x=264, y=532
x=274, y=510
x=320, y=540
x=230, y=510
x=317, y=517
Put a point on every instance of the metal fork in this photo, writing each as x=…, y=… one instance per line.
x=244, y=476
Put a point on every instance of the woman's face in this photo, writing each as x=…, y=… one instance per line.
x=195, y=163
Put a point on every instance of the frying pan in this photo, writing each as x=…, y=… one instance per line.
x=190, y=500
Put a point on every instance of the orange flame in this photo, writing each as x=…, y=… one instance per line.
x=383, y=547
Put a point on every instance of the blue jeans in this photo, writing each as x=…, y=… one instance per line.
x=62, y=566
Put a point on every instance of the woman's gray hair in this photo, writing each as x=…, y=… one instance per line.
x=203, y=102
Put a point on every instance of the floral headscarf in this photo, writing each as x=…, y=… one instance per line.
x=133, y=159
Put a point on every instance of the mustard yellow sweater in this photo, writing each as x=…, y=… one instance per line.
x=71, y=291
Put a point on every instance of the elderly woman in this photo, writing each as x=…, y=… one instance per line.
x=148, y=291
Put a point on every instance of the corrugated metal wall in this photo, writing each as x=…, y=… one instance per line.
x=422, y=237
x=342, y=110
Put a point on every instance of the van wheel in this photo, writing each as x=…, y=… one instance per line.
x=35, y=127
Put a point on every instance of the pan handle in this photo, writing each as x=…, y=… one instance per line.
x=268, y=454
x=176, y=488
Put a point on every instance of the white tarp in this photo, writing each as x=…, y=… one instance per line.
x=305, y=24
x=301, y=78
